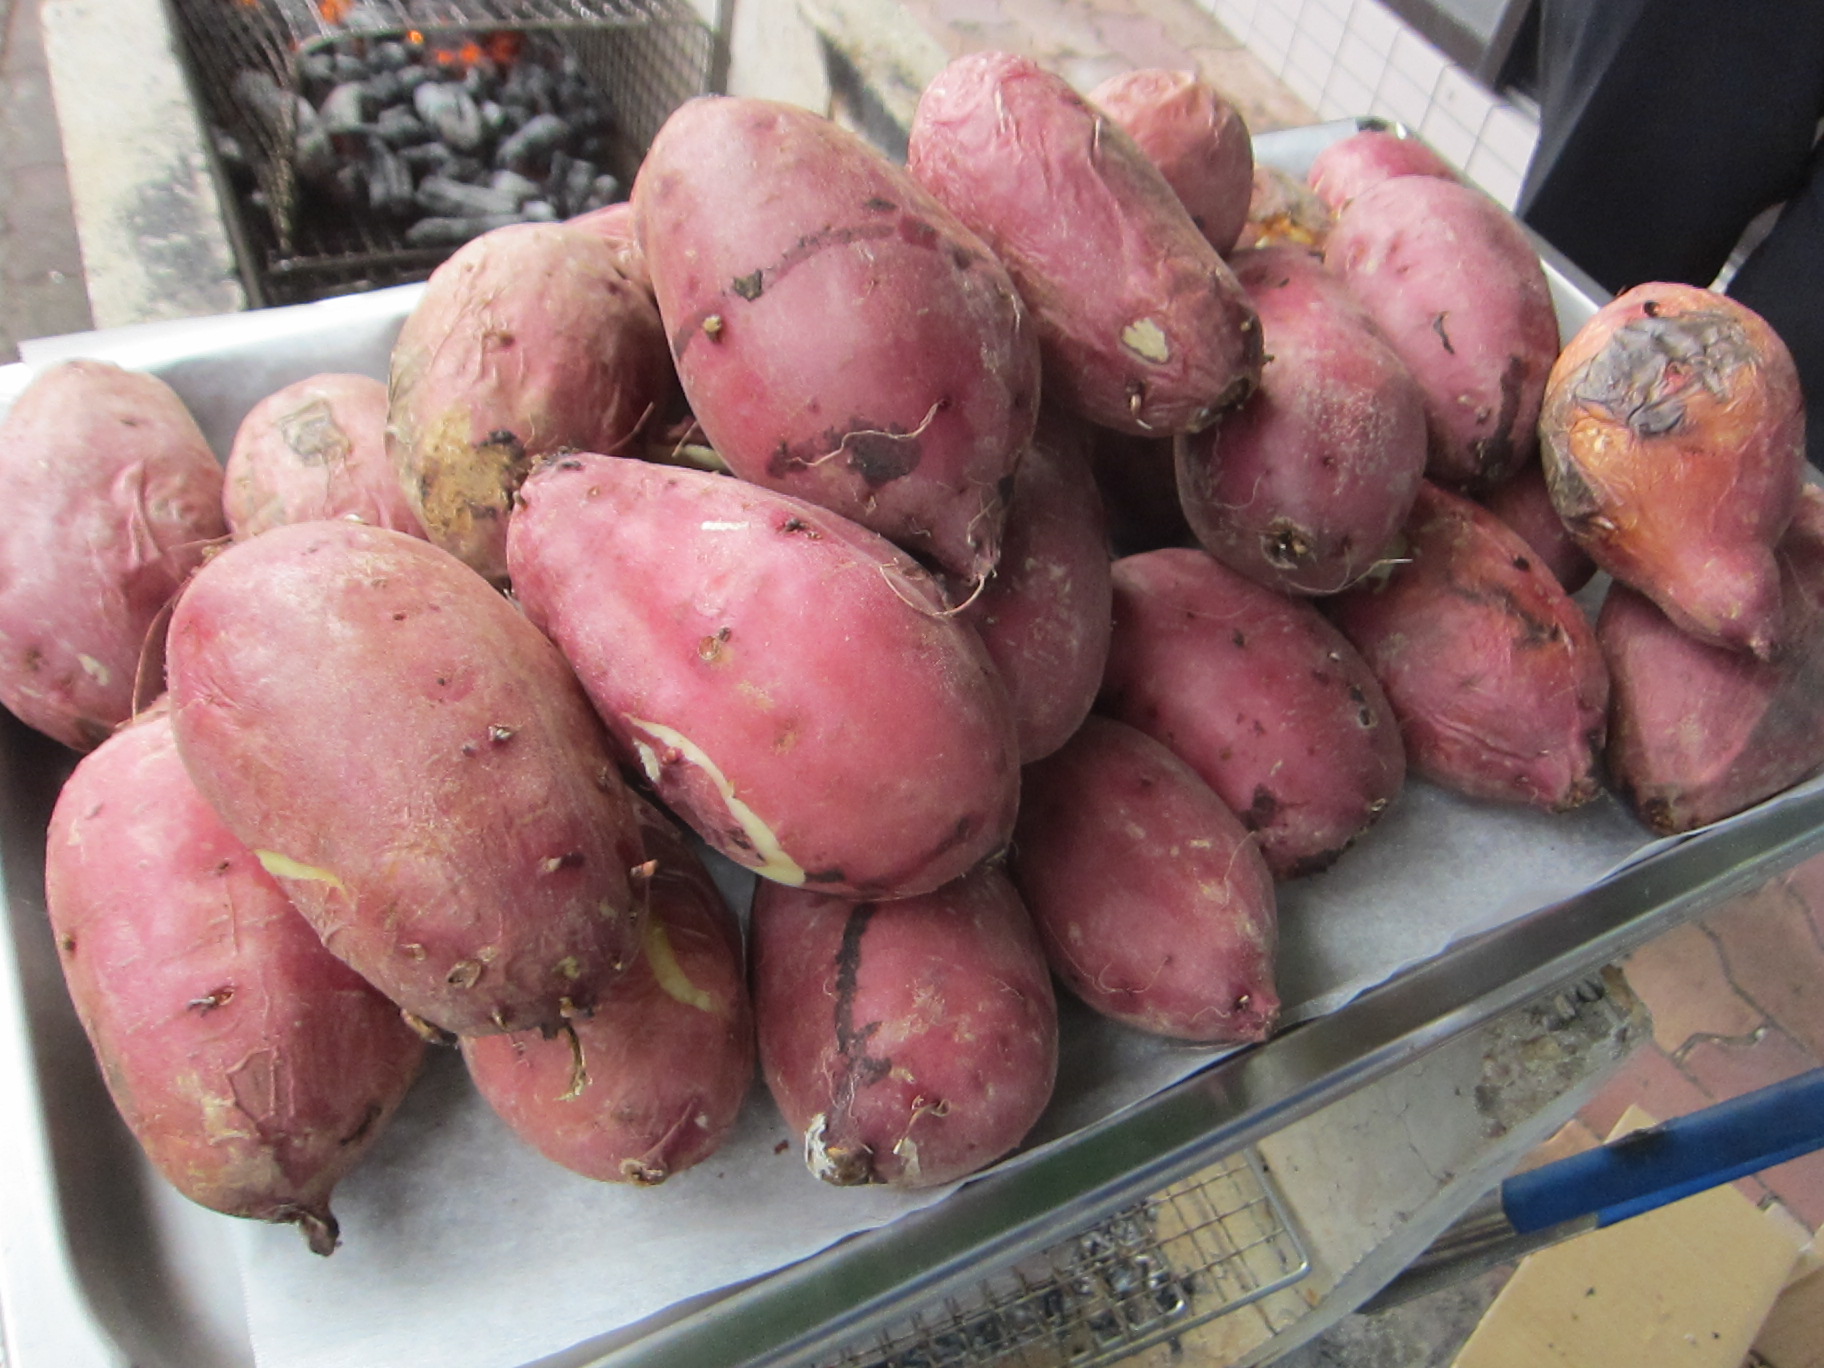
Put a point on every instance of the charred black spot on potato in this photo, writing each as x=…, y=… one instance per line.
x=1286, y=545
x=817, y=876
x=862, y=1069
x=1522, y=564
x=1437, y=326
x=798, y=526
x=1261, y=811
x=1495, y=453
x=915, y=232
x=880, y=204
x=749, y=286
x=882, y=456
x=709, y=648
x=67, y=944
x=1364, y=714
x=1650, y=367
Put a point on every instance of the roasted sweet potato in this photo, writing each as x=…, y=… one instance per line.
x=315, y=449
x=841, y=336
x=909, y=1042
x=1698, y=732
x=417, y=767
x=529, y=339
x=1153, y=901
x=1196, y=138
x=1302, y=487
x=1350, y=165
x=1493, y=671
x=1044, y=617
x=1459, y=292
x=653, y=1080
x=791, y=685
x=253, y=1066
x=1142, y=326
x=1259, y=695
x=114, y=496
x=1673, y=437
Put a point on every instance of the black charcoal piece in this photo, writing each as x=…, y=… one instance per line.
x=383, y=88
x=389, y=56
x=453, y=232
x=348, y=67
x=522, y=188
x=538, y=211
x=605, y=191
x=346, y=108
x=444, y=198
x=427, y=158
x=402, y=128
x=529, y=150
x=410, y=78
x=389, y=181
x=494, y=120
x=452, y=112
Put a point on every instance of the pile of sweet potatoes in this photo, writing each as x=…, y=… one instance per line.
x=1018, y=578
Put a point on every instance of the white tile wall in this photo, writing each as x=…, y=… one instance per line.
x=1348, y=58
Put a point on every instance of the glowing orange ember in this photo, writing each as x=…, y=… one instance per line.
x=331, y=11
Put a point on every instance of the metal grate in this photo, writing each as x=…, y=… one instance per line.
x=642, y=58
x=1210, y=1245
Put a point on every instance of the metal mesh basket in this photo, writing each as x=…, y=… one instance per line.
x=1205, y=1247
x=641, y=58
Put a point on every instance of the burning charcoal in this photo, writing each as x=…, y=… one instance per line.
x=449, y=109
x=512, y=183
x=427, y=159
x=346, y=109
x=389, y=56
x=389, y=181
x=453, y=232
x=530, y=149
x=402, y=128
x=441, y=197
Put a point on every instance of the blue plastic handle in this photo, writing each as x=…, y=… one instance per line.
x=1688, y=1154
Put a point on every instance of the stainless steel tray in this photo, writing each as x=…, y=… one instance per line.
x=101, y=1263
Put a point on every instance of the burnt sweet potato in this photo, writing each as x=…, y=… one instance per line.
x=114, y=498
x=1302, y=487
x=911, y=1042
x=1492, y=670
x=1673, y=437
x=653, y=1080
x=529, y=339
x=315, y=449
x=1151, y=897
x=842, y=337
x=791, y=685
x=418, y=768
x=1457, y=288
x=252, y=1066
x=1141, y=324
x=1261, y=696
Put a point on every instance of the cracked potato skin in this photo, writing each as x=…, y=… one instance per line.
x=1142, y=326
x=840, y=335
x=253, y=1067
x=912, y=1042
x=417, y=765
x=791, y=685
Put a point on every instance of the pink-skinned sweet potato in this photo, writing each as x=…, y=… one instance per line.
x=653, y=1081
x=911, y=1042
x=614, y=225
x=790, y=684
x=1044, y=617
x=1524, y=503
x=115, y=498
x=1699, y=732
x=315, y=449
x=529, y=339
x=1141, y=324
x=1152, y=899
x=1455, y=285
x=418, y=768
x=1673, y=437
x=1302, y=487
x=1492, y=670
x=253, y=1067
x=1350, y=165
x=842, y=337
x=1259, y=695
x=1196, y=138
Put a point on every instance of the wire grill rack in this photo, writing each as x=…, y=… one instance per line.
x=644, y=57
x=1219, y=1241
